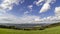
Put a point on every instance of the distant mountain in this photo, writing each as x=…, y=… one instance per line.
x=24, y=25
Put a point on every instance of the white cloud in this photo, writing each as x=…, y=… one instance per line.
x=30, y=6
x=28, y=19
x=38, y=3
x=7, y=5
x=8, y=18
x=52, y=19
x=22, y=1
x=37, y=19
x=45, y=7
x=25, y=13
x=50, y=1
x=57, y=11
x=49, y=19
x=56, y=17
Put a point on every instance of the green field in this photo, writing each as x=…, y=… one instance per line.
x=53, y=30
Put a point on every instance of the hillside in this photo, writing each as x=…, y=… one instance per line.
x=53, y=30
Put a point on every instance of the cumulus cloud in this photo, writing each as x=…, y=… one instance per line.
x=8, y=18
x=37, y=19
x=50, y=1
x=52, y=19
x=38, y=3
x=28, y=19
x=56, y=18
x=30, y=6
x=57, y=11
x=49, y=19
x=46, y=6
x=7, y=5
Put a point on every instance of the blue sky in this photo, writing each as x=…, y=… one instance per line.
x=19, y=10
x=41, y=11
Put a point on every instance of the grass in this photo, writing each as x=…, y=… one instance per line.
x=54, y=30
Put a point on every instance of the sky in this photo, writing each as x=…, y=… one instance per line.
x=29, y=11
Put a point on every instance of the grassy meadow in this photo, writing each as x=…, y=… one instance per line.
x=53, y=30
